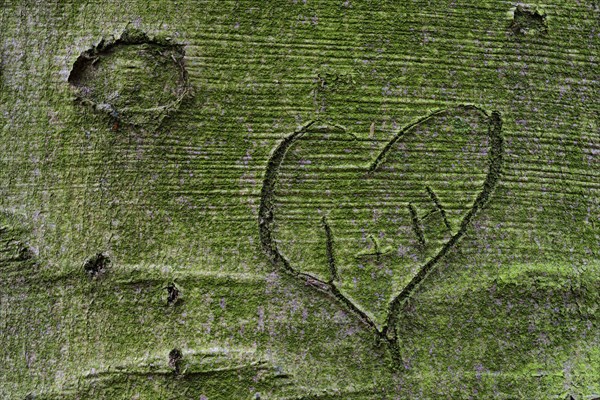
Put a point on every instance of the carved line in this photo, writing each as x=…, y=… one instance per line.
x=404, y=130
x=378, y=252
x=416, y=225
x=438, y=204
x=389, y=331
x=430, y=213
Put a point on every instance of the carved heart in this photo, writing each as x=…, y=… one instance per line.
x=365, y=221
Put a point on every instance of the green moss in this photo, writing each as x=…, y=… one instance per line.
x=511, y=312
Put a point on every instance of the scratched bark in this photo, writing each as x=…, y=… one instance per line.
x=299, y=199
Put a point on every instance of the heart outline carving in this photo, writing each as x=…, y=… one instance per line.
x=388, y=331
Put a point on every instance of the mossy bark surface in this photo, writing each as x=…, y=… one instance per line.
x=299, y=199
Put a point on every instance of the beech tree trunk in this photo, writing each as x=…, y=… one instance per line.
x=299, y=199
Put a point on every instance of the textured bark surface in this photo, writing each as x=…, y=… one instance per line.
x=299, y=199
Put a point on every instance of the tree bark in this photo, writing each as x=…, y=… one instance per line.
x=299, y=199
